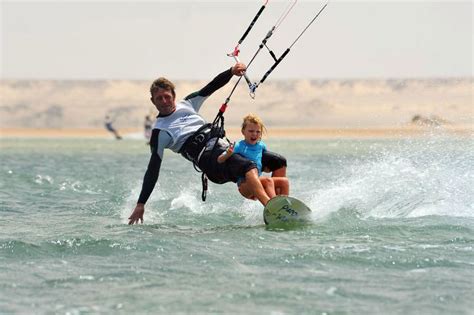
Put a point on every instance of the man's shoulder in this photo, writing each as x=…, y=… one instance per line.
x=187, y=104
x=192, y=95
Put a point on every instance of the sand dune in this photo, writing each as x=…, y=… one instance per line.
x=307, y=104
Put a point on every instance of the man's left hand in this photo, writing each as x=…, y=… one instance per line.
x=137, y=214
x=239, y=69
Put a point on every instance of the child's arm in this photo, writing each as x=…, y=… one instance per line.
x=226, y=154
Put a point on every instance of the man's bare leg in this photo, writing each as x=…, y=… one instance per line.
x=253, y=188
x=282, y=186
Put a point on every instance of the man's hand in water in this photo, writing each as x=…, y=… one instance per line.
x=137, y=214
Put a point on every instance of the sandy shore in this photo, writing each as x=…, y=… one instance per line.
x=317, y=107
x=272, y=133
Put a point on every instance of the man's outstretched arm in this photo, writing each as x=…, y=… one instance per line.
x=157, y=143
x=149, y=182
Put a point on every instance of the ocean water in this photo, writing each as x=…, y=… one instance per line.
x=392, y=231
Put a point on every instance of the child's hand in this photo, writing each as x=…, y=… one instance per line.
x=226, y=154
x=230, y=149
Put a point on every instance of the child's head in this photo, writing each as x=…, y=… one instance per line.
x=252, y=128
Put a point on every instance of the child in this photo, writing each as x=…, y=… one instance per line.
x=252, y=148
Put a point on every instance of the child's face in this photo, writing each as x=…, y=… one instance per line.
x=252, y=133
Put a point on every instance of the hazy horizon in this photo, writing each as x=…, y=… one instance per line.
x=420, y=78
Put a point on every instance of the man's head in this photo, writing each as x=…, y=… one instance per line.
x=163, y=95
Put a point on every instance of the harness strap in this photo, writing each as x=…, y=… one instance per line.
x=204, y=186
x=197, y=143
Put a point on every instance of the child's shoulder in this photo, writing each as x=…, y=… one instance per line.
x=240, y=143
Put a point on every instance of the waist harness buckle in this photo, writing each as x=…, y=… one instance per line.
x=194, y=145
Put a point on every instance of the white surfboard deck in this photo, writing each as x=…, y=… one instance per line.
x=286, y=210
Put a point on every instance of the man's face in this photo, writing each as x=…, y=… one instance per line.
x=164, y=101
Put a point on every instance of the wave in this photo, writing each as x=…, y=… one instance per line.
x=410, y=179
x=62, y=247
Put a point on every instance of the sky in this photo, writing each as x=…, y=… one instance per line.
x=141, y=40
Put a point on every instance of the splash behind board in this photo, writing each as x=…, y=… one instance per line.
x=286, y=210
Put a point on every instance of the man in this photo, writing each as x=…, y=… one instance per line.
x=108, y=125
x=181, y=129
x=148, y=125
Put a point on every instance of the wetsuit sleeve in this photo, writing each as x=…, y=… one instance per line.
x=197, y=98
x=158, y=142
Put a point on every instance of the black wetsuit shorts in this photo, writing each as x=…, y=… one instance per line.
x=235, y=166
x=272, y=161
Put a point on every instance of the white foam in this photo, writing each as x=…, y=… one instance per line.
x=410, y=180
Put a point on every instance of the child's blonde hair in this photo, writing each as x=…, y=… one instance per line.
x=254, y=119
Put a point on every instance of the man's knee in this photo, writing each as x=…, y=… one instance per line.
x=252, y=172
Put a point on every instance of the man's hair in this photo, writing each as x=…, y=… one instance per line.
x=254, y=119
x=162, y=83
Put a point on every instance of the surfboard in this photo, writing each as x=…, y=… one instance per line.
x=286, y=210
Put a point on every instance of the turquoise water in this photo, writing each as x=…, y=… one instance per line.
x=392, y=232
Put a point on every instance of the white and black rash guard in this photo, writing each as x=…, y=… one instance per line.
x=171, y=131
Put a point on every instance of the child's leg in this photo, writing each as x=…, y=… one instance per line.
x=282, y=185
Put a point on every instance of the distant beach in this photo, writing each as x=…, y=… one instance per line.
x=303, y=108
x=234, y=133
